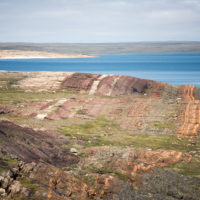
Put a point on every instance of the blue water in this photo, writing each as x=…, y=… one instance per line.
x=175, y=68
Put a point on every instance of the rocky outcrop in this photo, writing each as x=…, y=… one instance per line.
x=131, y=163
x=5, y=109
x=108, y=85
x=29, y=145
x=117, y=138
x=9, y=180
x=190, y=116
x=60, y=184
x=44, y=181
x=162, y=184
x=79, y=82
x=42, y=81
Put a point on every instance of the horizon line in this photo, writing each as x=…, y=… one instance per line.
x=163, y=41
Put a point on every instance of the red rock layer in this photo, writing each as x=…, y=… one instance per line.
x=110, y=85
x=133, y=163
x=191, y=115
x=79, y=81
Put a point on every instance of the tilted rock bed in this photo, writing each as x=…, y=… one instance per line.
x=95, y=157
x=115, y=173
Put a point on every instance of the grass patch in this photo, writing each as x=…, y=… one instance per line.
x=192, y=168
x=15, y=118
x=104, y=132
x=92, y=131
x=89, y=180
x=18, y=96
x=9, y=81
x=6, y=164
x=108, y=170
x=82, y=111
x=26, y=183
x=156, y=142
x=10, y=96
x=170, y=92
x=123, y=177
x=163, y=125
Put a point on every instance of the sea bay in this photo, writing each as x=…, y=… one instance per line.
x=174, y=68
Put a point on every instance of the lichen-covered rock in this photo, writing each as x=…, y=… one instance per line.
x=5, y=183
x=5, y=109
x=58, y=184
x=27, y=168
x=14, y=188
x=2, y=191
x=73, y=150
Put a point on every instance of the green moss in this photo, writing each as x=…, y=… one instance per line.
x=92, y=129
x=89, y=180
x=156, y=142
x=9, y=81
x=170, y=92
x=6, y=164
x=17, y=118
x=26, y=183
x=108, y=170
x=192, y=168
x=99, y=142
x=123, y=177
x=163, y=125
x=82, y=155
x=82, y=111
x=107, y=132
x=32, y=187
x=18, y=96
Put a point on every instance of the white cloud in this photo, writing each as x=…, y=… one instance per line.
x=99, y=20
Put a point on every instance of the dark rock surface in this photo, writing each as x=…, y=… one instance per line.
x=29, y=145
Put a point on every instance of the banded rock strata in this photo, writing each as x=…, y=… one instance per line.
x=89, y=136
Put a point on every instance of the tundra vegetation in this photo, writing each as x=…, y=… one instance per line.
x=68, y=144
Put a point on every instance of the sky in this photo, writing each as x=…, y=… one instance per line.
x=97, y=21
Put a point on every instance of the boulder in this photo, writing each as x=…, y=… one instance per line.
x=15, y=188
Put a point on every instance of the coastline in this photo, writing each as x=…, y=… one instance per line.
x=18, y=54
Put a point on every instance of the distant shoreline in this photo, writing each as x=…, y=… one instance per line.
x=13, y=58
x=106, y=48
x=19, y=54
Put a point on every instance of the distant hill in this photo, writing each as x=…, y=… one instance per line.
x=106, y=48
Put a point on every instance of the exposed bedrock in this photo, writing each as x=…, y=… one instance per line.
x=41, y=81
x=79, y=82
x=190, y=116
x=29, y=145
x=109, y=85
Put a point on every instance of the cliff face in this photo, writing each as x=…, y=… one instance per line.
x=90, y=136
